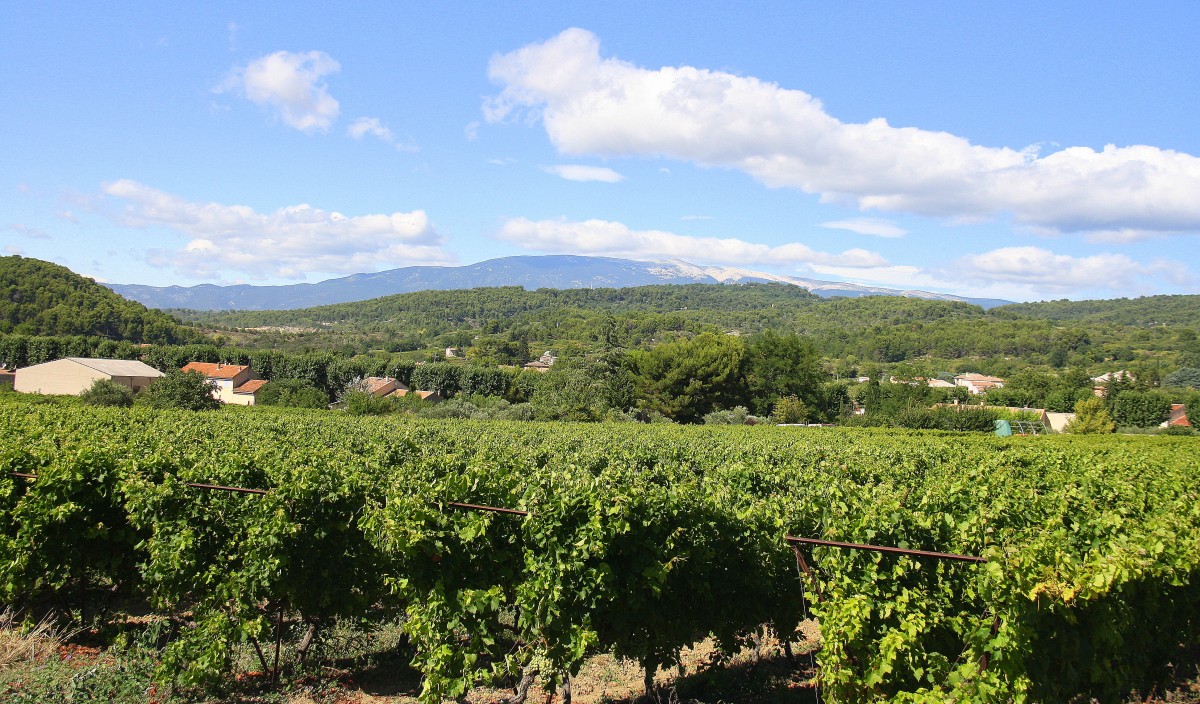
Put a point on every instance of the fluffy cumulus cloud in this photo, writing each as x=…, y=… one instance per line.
x=292, y=85
x=783, y=137
x=578, y=172
x=287, y=243
x=614, y=239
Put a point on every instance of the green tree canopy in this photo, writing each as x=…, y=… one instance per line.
x=292, y=393
x=1187, y=377
x=1091, y=417
x=40, y=298
x=189, y=391
x=781, y=365
x=106, y=392
x=686, y=379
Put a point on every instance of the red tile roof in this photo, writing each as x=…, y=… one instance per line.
x=380, y=385
x=423, y=395
x=215, y=371
x=250, y=387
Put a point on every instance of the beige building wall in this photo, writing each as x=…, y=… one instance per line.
x=224, y=393
x=137, y=383
x=62, y=377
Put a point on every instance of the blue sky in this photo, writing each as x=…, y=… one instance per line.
x=1026, y=151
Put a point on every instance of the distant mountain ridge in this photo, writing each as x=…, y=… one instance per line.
x=530, y=272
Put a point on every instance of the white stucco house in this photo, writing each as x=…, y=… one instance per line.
x=978, y=383
x=233, y=383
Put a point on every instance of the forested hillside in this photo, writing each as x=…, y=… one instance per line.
x=877, y=329
x=1146, y=311
x=41, y=298
x=642, y=347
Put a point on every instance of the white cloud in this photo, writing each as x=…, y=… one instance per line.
x=471, y=131
x=287, y=243
x=868, y=226
x=784, y=138
x=33, y=233
x=1024, y=273
x=607, y=238
x=67, y=215
x=372, y=126
x=1047, y=271
x=13, y=250
x=579, y=172
x=290, y=84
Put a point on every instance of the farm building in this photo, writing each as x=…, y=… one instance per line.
x=1178, y=417
x=1058, y=421
x=431, y=396
x=382, y=385
x=71, y=376
x=234, y=383
x=978, y=383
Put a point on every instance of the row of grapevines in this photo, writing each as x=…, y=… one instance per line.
x=640, y=540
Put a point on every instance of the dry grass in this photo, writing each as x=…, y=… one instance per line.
x=758, y=673
x=20, y=644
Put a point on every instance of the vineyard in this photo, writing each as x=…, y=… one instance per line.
x=632, y=539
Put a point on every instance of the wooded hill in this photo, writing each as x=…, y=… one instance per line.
x=1145, y=311
x=41, y=298
x=878, y=329
x=1155, y=335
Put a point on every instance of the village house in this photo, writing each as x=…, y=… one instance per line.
x=71, y=376
x=382, y=385
x=1178, y=417
x=232, y=383
x=976, y=384
x=543, y=363
x=430, y=396
x=1100, y=383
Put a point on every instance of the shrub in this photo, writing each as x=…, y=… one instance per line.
x=189, y=391
x=106, y=392
x=789, y=409
x=292, y=393
x=1188, y=377
x=1141, y=409
x=361, y=403
x=738, y=415
x=1090, y=418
